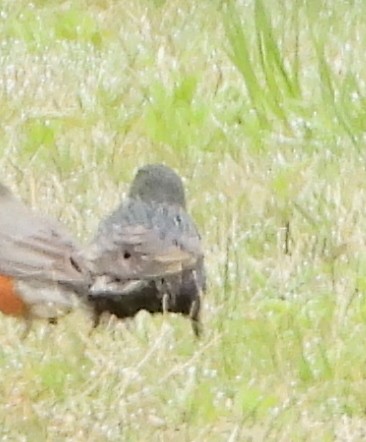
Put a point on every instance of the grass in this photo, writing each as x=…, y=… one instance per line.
x=261, y=108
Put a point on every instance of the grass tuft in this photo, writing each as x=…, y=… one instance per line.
x=261, y=108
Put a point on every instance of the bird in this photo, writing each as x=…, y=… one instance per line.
x=42, y=275
x=148, y=254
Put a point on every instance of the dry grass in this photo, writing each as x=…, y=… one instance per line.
x=263, y=112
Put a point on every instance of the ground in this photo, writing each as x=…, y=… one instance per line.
x=260, y=106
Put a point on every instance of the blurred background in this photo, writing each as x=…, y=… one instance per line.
x=260, y=106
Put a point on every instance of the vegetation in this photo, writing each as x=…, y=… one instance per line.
x=260, y=105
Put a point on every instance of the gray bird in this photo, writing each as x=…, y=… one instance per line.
x=147, y=255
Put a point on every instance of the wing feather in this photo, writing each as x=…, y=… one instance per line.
x=35, y=247
x=144, y=241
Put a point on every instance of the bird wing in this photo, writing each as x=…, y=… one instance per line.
x=35, y=247
x=142, y=241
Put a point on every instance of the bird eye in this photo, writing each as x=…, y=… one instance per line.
x=178, y=219
x=127, y=255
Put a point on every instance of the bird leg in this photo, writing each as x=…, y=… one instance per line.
x=195, y=310
x=96, y=316
x=194, y=315
x=27, y=328
x=165, y=302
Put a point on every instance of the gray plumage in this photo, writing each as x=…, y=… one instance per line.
x=148, y=254
x=38, y=254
